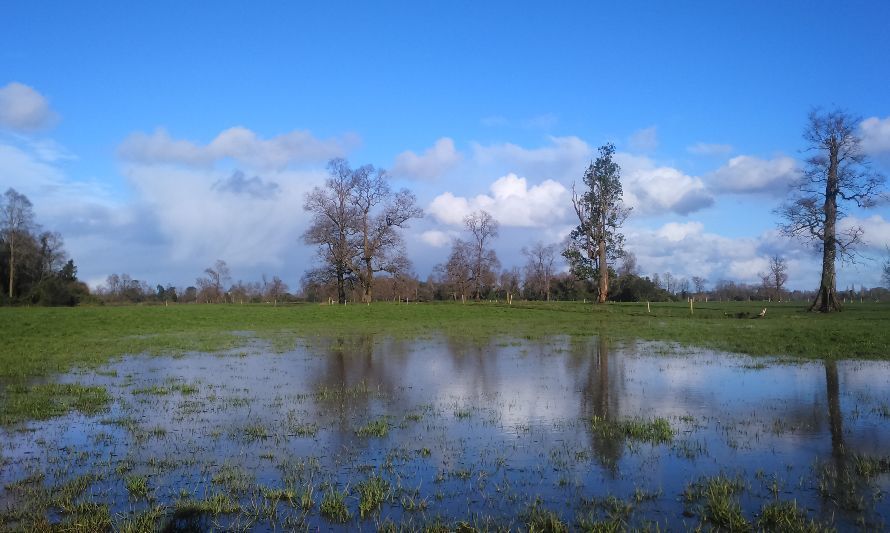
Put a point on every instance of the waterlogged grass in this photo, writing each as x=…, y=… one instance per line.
x=374, y=428
x=39, y=341
x=717, y=502
x=333, y=506
x=656, y=431
x=47, y=400
x=372, y=492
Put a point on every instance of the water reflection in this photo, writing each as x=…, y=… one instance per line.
x=489, y=425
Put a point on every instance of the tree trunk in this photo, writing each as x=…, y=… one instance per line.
x=826, y=297
x=367, y=282
x=604, y=272
x=11, y=262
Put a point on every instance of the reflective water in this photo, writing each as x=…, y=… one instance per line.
x=483, y=432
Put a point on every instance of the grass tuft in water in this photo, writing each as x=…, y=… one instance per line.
x=787, y=518
x=372, y=492
x=333, y=506
x=656, y=431
x=137, y=487
x=374, y=428
x=718, y=503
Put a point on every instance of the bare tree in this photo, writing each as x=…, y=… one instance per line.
x=274, y=290
x=52, y=253
x=379, y=213
x=539, y=268
x=837, y=174
x=509, y=283
x=485, y=262
x=16, y=223
x=601, y=212
x=778, y=275
x=355, y=221
x=213, y=286
x=628, y=264
x=699, y=283
x=458, y=270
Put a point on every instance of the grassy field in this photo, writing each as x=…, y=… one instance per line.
x=42, y=341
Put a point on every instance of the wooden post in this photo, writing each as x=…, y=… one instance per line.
x=691, y=311
x=648, y=309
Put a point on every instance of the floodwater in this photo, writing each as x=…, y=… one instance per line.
x=482, y=432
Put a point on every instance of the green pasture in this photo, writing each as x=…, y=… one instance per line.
x=41, y=341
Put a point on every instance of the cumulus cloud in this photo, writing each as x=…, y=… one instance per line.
x=875, y=134
x=653, y=189
x=687, y=249
x=512, y=202
x=746, y=174
x=644, y=140
x=709, y=149
x=434, y=161
x=24, y=109
x=238, y=143
x=563, y=158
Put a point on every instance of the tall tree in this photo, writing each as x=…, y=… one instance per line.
x=16, y=223
x=885, y=274
x=379, y=215
x=355, y=224
x=601, y=212
x=836, y=175
x=485, y=262
x=333, y=222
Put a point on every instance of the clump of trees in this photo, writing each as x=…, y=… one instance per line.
x=33, y=262
x=472, y=265
x=356, y=219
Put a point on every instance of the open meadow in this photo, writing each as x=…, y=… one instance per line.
x=441, y=416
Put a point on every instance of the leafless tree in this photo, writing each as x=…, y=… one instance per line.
x=509, y=283
x=539, y=268
x=699, y=283
x=775, y=278
x=836, y=175
x=213, y=286
x=273, y=290
x=885, y=274
x=52, y=253
x=16, y=223
x=485, y=262
x=628, y=265
x=355, y=224
x=457, y=272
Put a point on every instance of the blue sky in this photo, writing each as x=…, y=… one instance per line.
x=126, y=124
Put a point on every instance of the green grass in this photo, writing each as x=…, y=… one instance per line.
x=40, y=402
x=372, y=492
x=656, y=431
x=40, y=341
x=137, y=486
x=374, y=428
x=333, y=506
x=719, y=503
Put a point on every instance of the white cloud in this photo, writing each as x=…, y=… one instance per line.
x=564, y=159
x=677, y=231
x=434, y=161
x=209, y=214
x=24, y=109
x=644, y=140
x=875, y=135
x=686, y=250
x=652, y=189
x=435, y=238
x=512, y=202
x=746, y=174
x=709, y=149
x=238, y=143
x=876, y=230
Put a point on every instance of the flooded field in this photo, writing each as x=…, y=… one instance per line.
x=380, y=433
